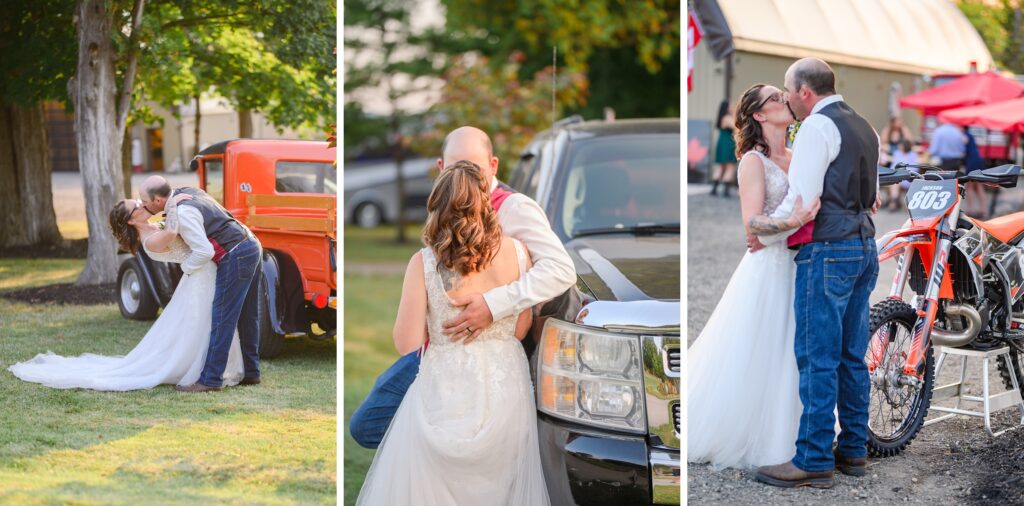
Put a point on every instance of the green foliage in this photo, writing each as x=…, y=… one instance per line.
x=494, y=99
x=273, y=57
x=577, y=29
x=39, y=47
x=1001, y=26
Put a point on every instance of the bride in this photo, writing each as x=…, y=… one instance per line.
x=466, y=431
x=174, y=349
x=743, y=403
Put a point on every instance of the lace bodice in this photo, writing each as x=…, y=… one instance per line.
x=176, y=252
x=776, y=183
x=440, y=309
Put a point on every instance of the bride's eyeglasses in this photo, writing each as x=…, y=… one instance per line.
x=774, y=97
x=138, y=204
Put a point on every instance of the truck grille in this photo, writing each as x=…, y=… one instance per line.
x=673, y=359
x=675, y=416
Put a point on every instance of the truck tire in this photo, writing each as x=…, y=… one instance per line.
x=271, y=343
x=134, y=296
x=368, y=215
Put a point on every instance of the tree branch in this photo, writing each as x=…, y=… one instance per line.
x=198, y=20
x=133, y=62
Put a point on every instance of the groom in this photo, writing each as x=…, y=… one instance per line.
x=552, y=274
x=835, y=155
x=213, y=234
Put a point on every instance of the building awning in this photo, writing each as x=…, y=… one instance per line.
x=910, y=36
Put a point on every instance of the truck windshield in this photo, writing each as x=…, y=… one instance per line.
x=627, y=183
x=307, y=177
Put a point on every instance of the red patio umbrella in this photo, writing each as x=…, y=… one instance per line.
x=1006, y=116
x=972, y=89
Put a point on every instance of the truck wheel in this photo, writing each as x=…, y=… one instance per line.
x=134, y=297
x=369, y=215
x=271, y=343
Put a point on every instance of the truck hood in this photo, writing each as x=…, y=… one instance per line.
x=626, y=267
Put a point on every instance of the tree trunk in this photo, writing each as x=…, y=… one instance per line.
x=35, y=167
x=99, y=136
x=11, y=232
x=126, y=162
x=245, y=124
x=199, y=116
x=26, y=215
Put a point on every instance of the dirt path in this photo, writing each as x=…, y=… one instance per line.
x=952, y=462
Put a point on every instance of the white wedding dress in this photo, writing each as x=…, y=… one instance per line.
x=172, y=352
x=466, y=431
x=743, y=401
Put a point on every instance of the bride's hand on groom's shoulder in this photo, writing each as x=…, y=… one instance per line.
x=177, y=199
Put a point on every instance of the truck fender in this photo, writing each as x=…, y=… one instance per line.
x=271, y=276
x=146, y=264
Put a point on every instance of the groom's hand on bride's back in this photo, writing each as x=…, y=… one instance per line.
x=474, y=318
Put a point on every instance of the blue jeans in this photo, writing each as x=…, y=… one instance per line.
x=372, y=418
x=833, y=282
x=235, y=305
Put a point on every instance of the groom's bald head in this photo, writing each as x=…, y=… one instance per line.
x=154, y=193
x=470, y=144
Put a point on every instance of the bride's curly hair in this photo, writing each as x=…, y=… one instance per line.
x=748, y=131
x=462, y=227
x=127, y=235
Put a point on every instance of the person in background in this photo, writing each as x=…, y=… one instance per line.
x=973, y=161
x=904, y=153
x=949, y=145
x=894, y=134
x=725, y=151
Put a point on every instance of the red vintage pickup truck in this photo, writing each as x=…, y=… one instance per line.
x=285, y=191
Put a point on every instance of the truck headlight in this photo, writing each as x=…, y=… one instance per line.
x=591, y=376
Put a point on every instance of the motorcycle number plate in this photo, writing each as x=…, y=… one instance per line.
x=928, y=199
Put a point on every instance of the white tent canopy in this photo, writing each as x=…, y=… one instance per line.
x=917, y=36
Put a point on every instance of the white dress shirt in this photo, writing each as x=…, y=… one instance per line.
x=191, y=230
x=552, y=273
x=816, y=146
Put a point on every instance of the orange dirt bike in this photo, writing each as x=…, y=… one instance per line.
x=966, y=277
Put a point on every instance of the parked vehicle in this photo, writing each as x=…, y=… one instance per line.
x=285, y=192
x=371, y=195
x=966, y=277
x=605, y=357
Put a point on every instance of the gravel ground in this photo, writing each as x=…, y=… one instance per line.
x=951, y=462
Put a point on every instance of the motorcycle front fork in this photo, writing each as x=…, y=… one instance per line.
x=926, y=306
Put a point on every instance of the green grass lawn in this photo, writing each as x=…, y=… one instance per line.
x=378, y=244
x=269, y=444
x=371, y=303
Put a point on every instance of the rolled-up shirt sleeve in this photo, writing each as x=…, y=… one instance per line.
x=190, y=228
x=552, y=272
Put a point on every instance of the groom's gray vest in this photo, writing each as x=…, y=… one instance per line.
x=222, y=229
x=848, y=191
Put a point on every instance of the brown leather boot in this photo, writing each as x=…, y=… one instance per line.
x=249, y=381
x=789, y=476
x=850, y=466
x=196, y=387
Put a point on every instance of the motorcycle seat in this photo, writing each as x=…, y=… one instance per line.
x=1004, y=228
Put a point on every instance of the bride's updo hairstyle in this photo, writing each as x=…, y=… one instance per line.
x=748, y=131
x=462, y=227
x=127, y=235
